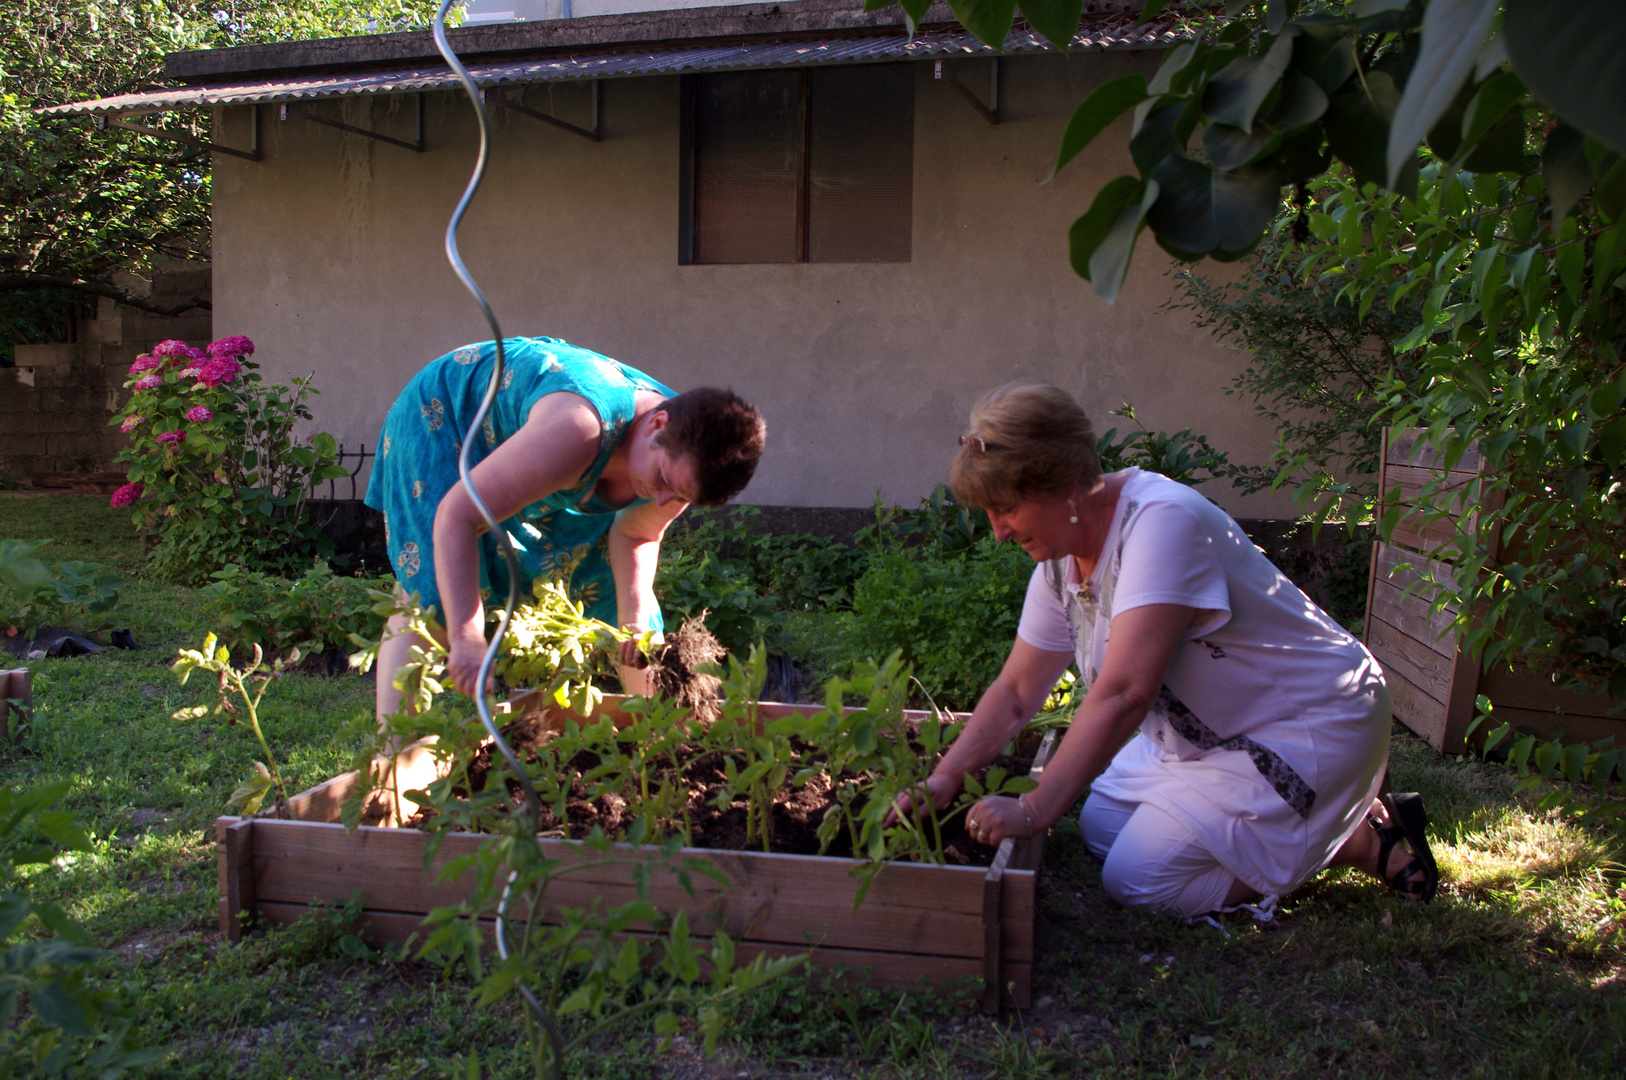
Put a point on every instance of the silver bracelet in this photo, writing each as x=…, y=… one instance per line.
x=1022, y=801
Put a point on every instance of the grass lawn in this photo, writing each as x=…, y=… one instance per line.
x=1516, y=970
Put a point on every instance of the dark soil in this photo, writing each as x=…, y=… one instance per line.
x=675, y=663
x=796, y=816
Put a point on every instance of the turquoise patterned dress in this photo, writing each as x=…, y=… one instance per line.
x=563, y=536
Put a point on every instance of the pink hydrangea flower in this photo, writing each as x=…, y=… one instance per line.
x=172, y=437
x=127, y=494
x=218, y=370
x=175, y=347
x=149, y=381
x=233, y=347
x=145, y=363
x=199, y=414
x=131, y=422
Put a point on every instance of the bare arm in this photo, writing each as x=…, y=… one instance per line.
x=1143, y=643
x=1013, y=699
x=556, y=445
x=635, y=549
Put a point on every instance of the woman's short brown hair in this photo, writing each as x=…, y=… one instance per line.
x=1025, y=440
x=722, y=434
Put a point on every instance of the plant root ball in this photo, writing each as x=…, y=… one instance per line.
x=674, y=668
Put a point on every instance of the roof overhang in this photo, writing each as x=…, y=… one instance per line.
x=1114, y=29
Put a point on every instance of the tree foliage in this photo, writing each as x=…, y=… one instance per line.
x=1317, y=371
x=1274, y=91
x=79, y=203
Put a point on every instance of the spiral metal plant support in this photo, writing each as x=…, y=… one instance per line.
x=526, y=814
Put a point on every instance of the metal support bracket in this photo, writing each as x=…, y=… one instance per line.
x=289, y=110
x=251, y=154
x=596, y=134
x=989, y=111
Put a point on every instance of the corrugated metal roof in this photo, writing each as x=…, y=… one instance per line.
x=938, y=44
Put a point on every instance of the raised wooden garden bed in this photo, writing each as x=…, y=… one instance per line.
x=1432, y=681
x=918, y=922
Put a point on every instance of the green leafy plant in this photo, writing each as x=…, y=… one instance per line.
x=553, y=645
x=1182, y=456
x=876, y=754
x=35, y=594
x=319, y=610
x=247, y=683
x=1517, y=347
x=766, y=747
x=692, y=583
x=1571, y=768
x=216, y=473
x=45, y=956
x=586, y=971
x=952, y=617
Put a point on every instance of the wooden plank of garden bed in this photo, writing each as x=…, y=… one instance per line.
x=884, y=968
x=794, y=899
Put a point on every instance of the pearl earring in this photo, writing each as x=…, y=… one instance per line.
x=1074, y=509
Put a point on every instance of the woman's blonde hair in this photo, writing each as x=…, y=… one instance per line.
x=1025, y=440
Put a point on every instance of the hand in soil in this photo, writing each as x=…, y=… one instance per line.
x=941, y=789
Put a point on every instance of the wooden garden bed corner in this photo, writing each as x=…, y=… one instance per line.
x=919, y=922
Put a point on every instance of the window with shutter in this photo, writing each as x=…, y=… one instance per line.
x=814, y=165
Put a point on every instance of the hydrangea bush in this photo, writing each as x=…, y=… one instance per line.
x=216, y=473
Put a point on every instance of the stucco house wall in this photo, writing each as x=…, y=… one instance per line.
x=328, y=253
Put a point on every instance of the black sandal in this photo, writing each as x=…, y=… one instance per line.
x=1409, y=822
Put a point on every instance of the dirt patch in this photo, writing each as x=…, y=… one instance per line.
x=674, y=669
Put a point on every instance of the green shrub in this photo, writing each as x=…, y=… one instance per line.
x=315, y=612
x=692, y=581
x=799, y=571
x=217, y=475
x=34, y=593
x=953, y=616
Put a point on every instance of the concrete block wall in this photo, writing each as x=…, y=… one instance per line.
x=56, y=403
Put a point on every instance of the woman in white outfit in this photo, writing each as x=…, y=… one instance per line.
x=1263, y=725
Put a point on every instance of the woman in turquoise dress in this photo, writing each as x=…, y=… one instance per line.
x=585, y=462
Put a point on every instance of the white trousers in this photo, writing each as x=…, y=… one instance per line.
x=1151, y=860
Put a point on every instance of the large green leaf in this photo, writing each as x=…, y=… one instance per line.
x=1230, y=147
x=1324, y=52
x=1160, y=136
x=1057, y=20
x=20, y=570
x=1564, y=170
x=1570, y=54
x=1236, y=92
x=1302, y=102
x=1358, y=125
x=1091, y=227
x=57, y=1006
x=988, y=20
x=1199, y=209
x=1110, y=260
x=1105, y=104
x=1454, y=32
